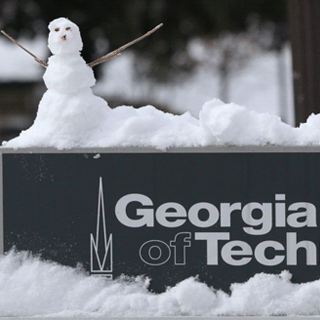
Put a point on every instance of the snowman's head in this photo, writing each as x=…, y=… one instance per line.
x=64, y=37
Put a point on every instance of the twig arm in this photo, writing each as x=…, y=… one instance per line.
x=116, y=53
x=23, y=48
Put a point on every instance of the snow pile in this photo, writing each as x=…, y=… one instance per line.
x=231, y=124
x=31, y=287
x=84, y=120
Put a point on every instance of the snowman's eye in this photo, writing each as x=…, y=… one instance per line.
x=68, y=28
x=57, y=29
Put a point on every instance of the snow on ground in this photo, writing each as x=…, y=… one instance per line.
x=31, y=287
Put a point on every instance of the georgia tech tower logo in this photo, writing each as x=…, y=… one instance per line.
x=276, y=227
x=101, y=249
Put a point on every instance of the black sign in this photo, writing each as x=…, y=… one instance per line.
x=220, y=216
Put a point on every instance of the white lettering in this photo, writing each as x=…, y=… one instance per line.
x=260, y=253
x=309, y=215
x=265, y=221
x=146, y=214
x=258, y=217
x=194, y=215
x=177, y=211
x=180, y=243
x=280, y=216
x=155, y=252
x=212, y=239
x=229, y=250
x=226, y=210
x=293, y=247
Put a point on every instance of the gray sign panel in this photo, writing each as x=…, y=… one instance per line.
x=221, y=216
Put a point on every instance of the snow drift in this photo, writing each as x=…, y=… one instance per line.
x=31, y=287
x=85, y=120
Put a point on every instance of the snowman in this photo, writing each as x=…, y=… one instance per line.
x=68, y=111
x=69, y=114
x=67, y=72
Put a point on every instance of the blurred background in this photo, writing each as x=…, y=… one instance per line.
x=235, y=50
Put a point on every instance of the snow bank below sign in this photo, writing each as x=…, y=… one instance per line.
x=32, y=287
x=64, y=127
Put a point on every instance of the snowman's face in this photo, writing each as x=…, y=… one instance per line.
x=64, y=37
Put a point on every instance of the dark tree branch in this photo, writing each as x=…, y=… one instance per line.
x=116, y=53
x=23, y=48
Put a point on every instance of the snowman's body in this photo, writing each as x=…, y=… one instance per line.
x=69, y=99
x=68, y=74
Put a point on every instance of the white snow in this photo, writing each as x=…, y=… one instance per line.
x=64, y=37
x=69, y=112
x=67, y=72
x=83, y=120
x=31, y=287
